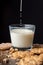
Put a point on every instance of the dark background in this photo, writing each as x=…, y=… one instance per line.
x=32, y=14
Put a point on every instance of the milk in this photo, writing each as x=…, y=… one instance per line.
x=22, y=38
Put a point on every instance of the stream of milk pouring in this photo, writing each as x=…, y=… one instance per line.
x=20, y=12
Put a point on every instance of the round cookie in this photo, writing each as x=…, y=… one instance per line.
x=5, y=46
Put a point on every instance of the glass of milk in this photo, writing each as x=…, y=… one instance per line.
x=22, y=35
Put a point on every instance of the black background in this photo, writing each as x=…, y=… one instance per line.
x=32, y=14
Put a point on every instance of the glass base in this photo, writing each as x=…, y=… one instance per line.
x=23, y=49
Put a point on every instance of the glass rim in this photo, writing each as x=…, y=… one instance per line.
x=22, y=25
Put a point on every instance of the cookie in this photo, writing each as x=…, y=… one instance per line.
x=37, y=45
x=5, y=46
x=37, y=51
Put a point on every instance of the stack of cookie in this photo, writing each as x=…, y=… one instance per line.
x=11, y=56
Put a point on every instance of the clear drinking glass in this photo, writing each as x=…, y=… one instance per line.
x=22, y=35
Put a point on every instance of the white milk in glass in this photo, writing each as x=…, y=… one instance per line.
x=22, y=38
